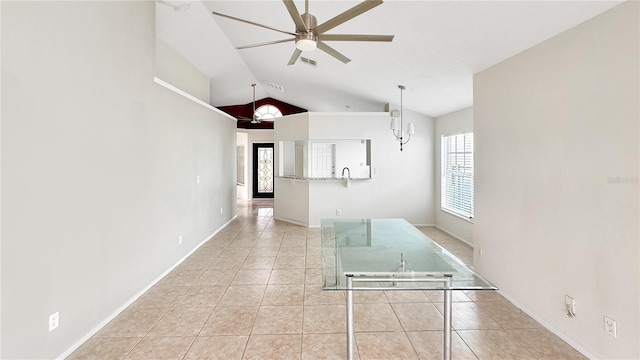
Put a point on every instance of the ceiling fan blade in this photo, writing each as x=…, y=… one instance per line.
x=252, y=23
x=295, y=15
x=345, y=37
x=333, y=52
x=347, y=15
x=295, y=56
x=265, y=43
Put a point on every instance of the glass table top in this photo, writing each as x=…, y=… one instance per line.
x=390, y=249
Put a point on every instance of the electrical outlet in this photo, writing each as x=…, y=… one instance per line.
x=338, y=212
x=180, y=240
x=54, y=320
x=610, y=326
x=221, y=211
x=198, y=179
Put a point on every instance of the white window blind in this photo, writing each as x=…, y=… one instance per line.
x=457, y=174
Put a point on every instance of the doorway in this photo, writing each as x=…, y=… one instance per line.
x=263, y=170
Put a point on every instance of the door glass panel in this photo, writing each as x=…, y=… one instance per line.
x=265, y=169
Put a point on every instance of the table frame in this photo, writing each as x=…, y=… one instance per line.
x=438, y=270
x=446, y=280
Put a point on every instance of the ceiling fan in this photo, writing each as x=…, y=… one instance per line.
x=308, y=34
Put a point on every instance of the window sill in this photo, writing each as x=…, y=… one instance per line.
x=470, y=220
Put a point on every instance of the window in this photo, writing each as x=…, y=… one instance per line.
x=267, y=112
x=457, y=174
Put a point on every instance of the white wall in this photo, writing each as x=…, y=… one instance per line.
x=454, y=123
x=173, y=68
x=98, y=169
x=291, y=197
x=557, y=153
x=0, y=187
x=403, y=185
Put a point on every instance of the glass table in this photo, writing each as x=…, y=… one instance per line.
x=390, y=254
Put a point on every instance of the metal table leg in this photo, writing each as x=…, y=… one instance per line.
x=447, y=318
x=350, y=330
x=447, y=307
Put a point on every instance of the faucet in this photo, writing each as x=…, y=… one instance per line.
x=348, y=172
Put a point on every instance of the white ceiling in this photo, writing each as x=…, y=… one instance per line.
x=437, y=48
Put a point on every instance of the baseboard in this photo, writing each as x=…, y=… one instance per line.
x=291, y=221
x=454, y=235
x=318, y=226
x=555, y=331
x=534, y=316
x=102, y=324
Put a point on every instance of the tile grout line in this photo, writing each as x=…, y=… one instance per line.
x=245, y=229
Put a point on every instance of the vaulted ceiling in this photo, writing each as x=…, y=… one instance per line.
x=437, y=48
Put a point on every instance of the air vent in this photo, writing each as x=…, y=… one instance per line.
x=308, y=61
x=274, y=86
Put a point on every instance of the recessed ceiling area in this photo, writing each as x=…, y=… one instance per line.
x=438, y=46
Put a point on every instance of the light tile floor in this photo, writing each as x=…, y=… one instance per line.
x=254, y=292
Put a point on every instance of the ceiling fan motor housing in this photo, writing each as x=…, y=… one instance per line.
x=310, y=21
x=307, y=40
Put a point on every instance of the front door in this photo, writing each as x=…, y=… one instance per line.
x=263, y=170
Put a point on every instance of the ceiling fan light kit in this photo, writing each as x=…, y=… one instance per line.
x=307, y=42
x=308, y=35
